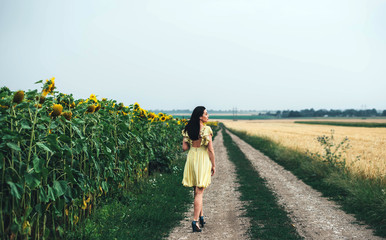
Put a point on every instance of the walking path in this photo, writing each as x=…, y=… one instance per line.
x=314, y=216
x=222, y=207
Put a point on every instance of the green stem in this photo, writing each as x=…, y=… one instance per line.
x=44, y=225
x=2, y=199
x=116, y=140
x=72, y=155
x=32, y=138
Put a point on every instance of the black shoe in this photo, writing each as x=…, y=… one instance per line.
x=202, y=222
x=195, y=227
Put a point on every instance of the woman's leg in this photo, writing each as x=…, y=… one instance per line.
x=202, y=207
x=198, y=194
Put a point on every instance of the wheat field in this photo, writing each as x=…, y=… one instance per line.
x=369, y=144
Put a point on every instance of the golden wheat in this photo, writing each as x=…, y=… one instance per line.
x=367, y=143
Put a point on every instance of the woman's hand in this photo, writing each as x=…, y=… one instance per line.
x=213, y=170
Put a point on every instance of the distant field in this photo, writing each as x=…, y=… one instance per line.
x=227, y=116
x=344, y=123
x=367, y=143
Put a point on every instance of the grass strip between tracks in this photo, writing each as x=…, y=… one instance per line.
x=150, y=210
x=268, y=219
x=363, y=197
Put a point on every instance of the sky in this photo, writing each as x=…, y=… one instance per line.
x=222, y=54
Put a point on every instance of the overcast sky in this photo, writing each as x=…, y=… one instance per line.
x=177, y=54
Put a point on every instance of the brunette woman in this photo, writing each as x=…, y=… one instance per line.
x=200, y=163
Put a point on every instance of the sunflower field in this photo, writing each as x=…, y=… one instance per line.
x=59, y=156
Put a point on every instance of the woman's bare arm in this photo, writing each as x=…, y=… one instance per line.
x=185, y=146
x=211, y=155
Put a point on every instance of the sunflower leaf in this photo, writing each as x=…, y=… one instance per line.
x=13, y=146
x=44, y=147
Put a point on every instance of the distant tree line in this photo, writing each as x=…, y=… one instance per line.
x=325, y=113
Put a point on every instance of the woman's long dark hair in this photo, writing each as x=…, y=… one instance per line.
x=193, y=126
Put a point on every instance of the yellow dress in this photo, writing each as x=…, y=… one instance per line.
x=197, y=171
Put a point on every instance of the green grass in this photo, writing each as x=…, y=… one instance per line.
x=268, y=219
x=364, y=198
x=345, y=124
x=150, y=210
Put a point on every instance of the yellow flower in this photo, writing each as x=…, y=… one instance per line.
x=136, y=106
x=49, y=87
x=72, y=105
x=27, y=226
x=93, y=97
x=67, y=115
x=45, y=92
x=143, y=112
x=151, y=116
x=18, y=97
x=89, y=209
x=104, y=99
x=76, y=219
x=91, y=108
x=163, y=118
x=66, y=211
x=84, y=204
x=56, y=110
x=42, y=99
x=98, y=106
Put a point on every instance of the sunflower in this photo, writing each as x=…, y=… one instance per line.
x=42, y=99
x=93, y=97
x=18, y=97
x=56, y=110
x=120, y=106
x=136, y=106
x=67, y=115
x=143, y=113
x=91, y=108
x=48, y=87
x=151, y=115
x=163, y=118
x=72, y=105
x=98, y=106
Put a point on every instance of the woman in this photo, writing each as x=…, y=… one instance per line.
x=200, y=163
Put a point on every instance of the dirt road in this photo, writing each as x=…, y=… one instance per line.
x=314, y=216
